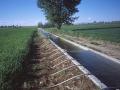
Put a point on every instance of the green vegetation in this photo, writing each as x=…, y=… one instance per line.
x=13, y=47
x=59, y=11
x=108, y=32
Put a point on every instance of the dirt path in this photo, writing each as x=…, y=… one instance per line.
x=40, y=68
x=108, y=48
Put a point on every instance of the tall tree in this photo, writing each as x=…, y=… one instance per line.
x=59, y=11
x=40, y=25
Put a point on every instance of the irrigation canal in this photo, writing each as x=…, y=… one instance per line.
x=106, y=70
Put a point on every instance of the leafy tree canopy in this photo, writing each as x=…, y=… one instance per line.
x=59, y=11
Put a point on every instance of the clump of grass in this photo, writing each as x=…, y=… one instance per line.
x=14, y=45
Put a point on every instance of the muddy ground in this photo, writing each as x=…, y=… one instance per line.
x=111, y=49
x=42, y=70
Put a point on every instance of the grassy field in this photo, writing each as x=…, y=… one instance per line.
x=106, y=32
x=13, y=47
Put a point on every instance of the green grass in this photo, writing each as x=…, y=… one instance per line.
x=105, y=32
x=13, y=47
x=92, y=26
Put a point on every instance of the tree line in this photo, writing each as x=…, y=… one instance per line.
x=10, y=26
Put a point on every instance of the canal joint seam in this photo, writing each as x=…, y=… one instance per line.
x=63, y=69
x=68, y=80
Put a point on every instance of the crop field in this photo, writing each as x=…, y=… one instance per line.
x=13, y=47
x=106, y=32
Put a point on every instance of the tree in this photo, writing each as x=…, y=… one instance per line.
x=59, y=12
x=40, y=25
x=48, y=25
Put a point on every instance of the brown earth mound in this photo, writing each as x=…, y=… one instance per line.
x=47, y=68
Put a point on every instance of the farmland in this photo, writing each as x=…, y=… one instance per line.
x=42, y=55
x=26, y=60
x=105, y=32
x=104, y=38
x=13, y=47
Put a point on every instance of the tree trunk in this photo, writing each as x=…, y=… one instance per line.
x=59, y=26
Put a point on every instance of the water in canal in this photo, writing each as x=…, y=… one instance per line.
x=107, y=71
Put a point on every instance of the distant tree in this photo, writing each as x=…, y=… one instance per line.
x=115, y=22
x=59, y=11
x=13, y=26
x=1, y=26
x=40, y=25
x=48, y=25
x=94, y=22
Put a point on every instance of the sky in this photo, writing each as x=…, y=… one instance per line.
x=26, y=12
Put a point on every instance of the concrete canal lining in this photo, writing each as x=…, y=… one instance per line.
x=106, y=69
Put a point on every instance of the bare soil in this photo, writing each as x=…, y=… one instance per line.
x=39, y=69
x=111, y=49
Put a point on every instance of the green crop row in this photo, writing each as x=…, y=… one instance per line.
x=13, y=47
x=104, y=32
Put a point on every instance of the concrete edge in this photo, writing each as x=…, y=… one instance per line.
x=86, y=48
x=95, y=80
x=99, y=53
